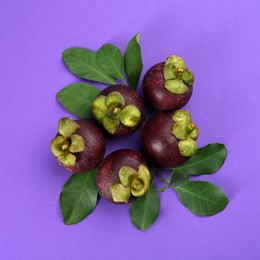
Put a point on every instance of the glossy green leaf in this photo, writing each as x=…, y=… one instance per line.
x=83, y=63
x=110, y=59
x=145, y=210
x=202, y=198
x=133, y=61
x=78, y=197
x=178, y=177
x=206, y=160
x=78, y=99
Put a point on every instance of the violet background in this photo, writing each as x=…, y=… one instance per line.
x=219, y=40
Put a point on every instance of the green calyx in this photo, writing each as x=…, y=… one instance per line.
x=178, y=78
x=111, y=111
x=131, y=182
x=68, y=142
x=186, y=131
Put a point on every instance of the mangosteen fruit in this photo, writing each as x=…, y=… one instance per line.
x=122, y=175
x=119, y=109
x=79, y=145
x=169, y=138
x=168, y=85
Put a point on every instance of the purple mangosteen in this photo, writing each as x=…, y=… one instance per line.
x=119, y=109
x=169, y=138
x=121, y=174
x=168, y=85
x=79, y=145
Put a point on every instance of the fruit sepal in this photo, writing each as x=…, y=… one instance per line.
x=67, y=142
x=132, y=182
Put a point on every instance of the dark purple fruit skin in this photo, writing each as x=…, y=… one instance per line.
x=109, y=168
x=131, y=98
x=94, y=150
x=157, y=95
x=159, y=143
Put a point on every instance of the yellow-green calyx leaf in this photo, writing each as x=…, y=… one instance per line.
x=111, y=124
x=58, y=145
x=180, y=130
x=186, y=131
x=120, y=193
x=130, y=116
x=187, y=147
x=181, y=116
x=67, y=127
x=115, y=99
x=136, y=182
x=77, y=143
x=176, y=86
x=193, y=131
x=67, y=159
x=141, y=182
x=99, y=108
x=67, y=142
x=126, y=174
x=188, y=77
x=177, y=76
x=110, y=110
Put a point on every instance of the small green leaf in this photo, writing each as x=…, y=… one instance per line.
x=202, y=198
x=78, y=197
x=83, y=63
x=110, y=59
x=133, y=61
x=145, y=210
x=206, y=160
x=78, y=99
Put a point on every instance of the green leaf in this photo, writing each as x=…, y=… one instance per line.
x=206, y=160
x=133, y=61
x=110, y=59
x=83, y=63
x=78, y=98
x=78, y=197
x=145, y=210
x=178, y=177
x=202, y=198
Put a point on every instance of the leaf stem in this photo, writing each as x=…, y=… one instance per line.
x=162, y=178
x=124, y=81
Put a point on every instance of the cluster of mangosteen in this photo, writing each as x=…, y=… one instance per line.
x=168, y=138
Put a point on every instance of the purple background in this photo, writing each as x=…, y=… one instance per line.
x=219, y=40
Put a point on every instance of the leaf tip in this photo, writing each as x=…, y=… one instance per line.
x=137, y=37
